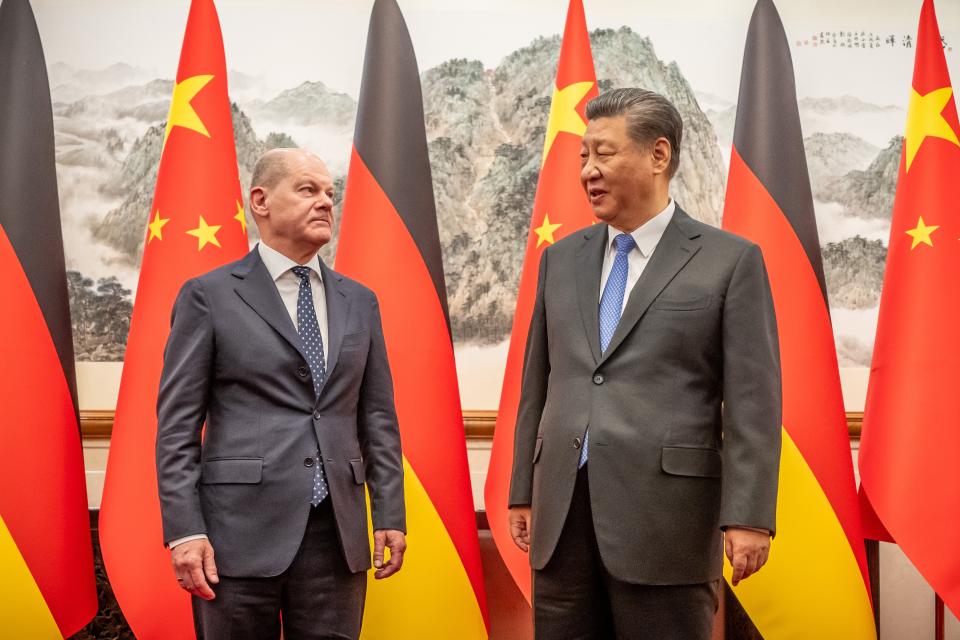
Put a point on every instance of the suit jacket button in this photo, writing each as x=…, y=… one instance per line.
x=598, y=378
x=302, y=372
x=316, y=416
x=576, y=443
x=308, y=462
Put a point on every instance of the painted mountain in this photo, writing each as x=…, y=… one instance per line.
x=485, y=130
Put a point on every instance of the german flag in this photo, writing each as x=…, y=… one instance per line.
x=910, y=446
x=196, y=224
x=389, y=241
x=47, y=589
x=815, y=584
x=560, y=207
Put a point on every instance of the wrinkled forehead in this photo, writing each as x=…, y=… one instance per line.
x=606, y=129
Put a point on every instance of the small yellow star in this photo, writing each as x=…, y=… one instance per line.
x=205, y=234
x=564, y=115
x=921, y=234
x=156, y=227
x=182, y=113
x=240, y=217
x=545, y=231
x=925, y=119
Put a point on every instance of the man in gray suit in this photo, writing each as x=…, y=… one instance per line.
x=648, y=432
x=284, y=361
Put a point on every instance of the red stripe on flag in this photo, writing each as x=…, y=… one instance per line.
x=43, y=498
x=813, y=411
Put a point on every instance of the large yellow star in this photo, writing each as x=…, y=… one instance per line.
x=182, y=113
x=925, y=119
x=205, y=234
x=240, y=217
x=156, y=227
x=564, y=115
x=545, y=231
x=921, y=234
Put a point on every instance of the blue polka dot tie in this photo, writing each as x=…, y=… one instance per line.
x=611, y=306
x=309, y=330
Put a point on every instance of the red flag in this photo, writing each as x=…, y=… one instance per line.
x=798, y=593
x=47, y=589
x=196, y=223
x=910, y=446
x=559, y=208
x=390, y=242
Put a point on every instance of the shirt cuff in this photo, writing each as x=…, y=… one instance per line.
x=197, y=536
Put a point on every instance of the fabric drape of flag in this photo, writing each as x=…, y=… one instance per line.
x=910, y=446
x=389, y=241
x=196, y=223
x=560, y=207
x=47, y=589
x=815, y=584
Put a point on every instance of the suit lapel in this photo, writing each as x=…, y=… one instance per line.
x=674, y=250
x=259, y=291
x=338, y=307
x=589, y=264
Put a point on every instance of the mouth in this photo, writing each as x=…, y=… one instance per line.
x=595, y=194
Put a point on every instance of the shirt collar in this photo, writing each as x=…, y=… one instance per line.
x=647, y=235
x=278, y=264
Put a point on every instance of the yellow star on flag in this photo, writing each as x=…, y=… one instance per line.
x=921, y=233
x=925, y=119
x=564, y=115
x=205, y=234
x=182, y=113
x=545, y=231
x=242, y=219
x=156, y=227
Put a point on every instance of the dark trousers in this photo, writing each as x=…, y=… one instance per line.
x=316, y=597
x=575, y=597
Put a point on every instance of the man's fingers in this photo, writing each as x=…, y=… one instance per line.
x=520, y=527
x=379, y=540
x=739, y=567
x=200, y=586
x=210, y=567
x=397, y=544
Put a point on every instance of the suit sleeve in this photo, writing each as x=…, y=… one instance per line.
x=752, y=405
x=181, y=412
x=379, y=434
x=533, y=396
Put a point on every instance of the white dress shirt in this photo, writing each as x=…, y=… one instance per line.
x=288, y=286
x=647, y=237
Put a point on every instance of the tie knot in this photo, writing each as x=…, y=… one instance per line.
x=625, y=243
x=301, y=272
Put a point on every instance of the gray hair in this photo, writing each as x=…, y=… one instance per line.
x=649, y=116
x=271, y=167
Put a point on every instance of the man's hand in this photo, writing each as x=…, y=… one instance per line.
x=747, y=550
x=196, y=571
x=396, y=542
x=520, y=527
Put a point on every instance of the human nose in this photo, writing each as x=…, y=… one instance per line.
x=588, y=170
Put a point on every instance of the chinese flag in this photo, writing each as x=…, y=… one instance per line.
x=47, y=588
x=196, y=223
x=389, y=241
x=815, y=584
x=910, y=446
x=559, y=208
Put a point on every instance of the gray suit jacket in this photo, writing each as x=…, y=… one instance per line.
x=234, y=361
x=683, y=408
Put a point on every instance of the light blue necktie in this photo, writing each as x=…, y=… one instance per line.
x=611, y=306
x=309, y=330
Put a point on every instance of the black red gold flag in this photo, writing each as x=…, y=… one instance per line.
x=47, y=588
x=798, y=593
x=389, y=241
